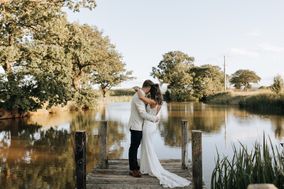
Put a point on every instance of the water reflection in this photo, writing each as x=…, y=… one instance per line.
x=207, y=119
x=38, y=152
x=33, y=158
x=42, y=156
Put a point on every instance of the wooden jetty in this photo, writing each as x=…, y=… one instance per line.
x=114, y=174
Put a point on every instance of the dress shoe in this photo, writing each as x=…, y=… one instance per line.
x=135, y=173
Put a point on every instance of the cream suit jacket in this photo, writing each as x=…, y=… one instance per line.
x=138, y=114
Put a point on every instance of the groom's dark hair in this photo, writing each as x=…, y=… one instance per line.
x=147, y=83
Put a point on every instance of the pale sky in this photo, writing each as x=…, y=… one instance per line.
x=250, y=33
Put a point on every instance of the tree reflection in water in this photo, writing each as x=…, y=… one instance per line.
x=35, y=156
x=206, y=119
x=209, y=119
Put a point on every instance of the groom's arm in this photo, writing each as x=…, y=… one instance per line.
x=142, y=111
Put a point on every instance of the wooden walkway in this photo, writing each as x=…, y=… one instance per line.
x=116, y=176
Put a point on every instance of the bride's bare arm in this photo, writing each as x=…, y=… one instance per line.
x=146, y=100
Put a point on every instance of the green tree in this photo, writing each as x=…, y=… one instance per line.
x=244, y=78
x=112, y=73
x=46, y=59
x=22, y=20
x=36, y=66
x=94, y=61
x=21, y=94
x=207, y=80
x=30, y=33
x=277, y=85
x=174, y=70
x=86, y=49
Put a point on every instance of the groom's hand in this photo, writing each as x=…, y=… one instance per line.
x=136, y=88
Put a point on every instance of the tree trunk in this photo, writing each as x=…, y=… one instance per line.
x=76, y=82
x=8, y=65
x=104, y=90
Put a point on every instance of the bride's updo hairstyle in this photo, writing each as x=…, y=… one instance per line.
x=156, y=94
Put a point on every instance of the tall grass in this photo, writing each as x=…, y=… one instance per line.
x=264, y=103
x=224, y=98
x=263, y=164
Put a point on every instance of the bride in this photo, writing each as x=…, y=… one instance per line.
x=149, y=162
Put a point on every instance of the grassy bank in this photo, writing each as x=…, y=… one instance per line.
x=111, y=99
x=100, y=101
x=260, y=101
x=71, y=106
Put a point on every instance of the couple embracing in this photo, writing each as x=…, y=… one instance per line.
x=144, y=117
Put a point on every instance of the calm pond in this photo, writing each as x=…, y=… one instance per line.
x=38, y=152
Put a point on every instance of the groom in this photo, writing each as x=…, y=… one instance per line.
x=136, y=120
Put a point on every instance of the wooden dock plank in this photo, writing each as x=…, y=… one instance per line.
x=127, y=186
x=116, y=176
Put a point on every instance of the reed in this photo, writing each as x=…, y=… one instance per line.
x=263, y=164
x=264, y=103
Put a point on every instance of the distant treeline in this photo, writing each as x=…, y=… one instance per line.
x=186, y=81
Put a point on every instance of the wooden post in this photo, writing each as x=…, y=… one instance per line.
x=225, y=78
x=197, y=159
x=103, y=161
x=80, y=159
x=184, y=144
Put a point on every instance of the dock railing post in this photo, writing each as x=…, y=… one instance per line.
x=184, y=144
x=80, y=159
x=103, y=160
x=197, y=159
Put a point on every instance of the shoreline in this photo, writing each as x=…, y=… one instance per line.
x=260, y=102
x=69, y=107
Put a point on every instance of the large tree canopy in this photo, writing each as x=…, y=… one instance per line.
x=173, y=62
x=244, y=78
x=94, y=59
x=174, y=70
x=186, y=80
x=111, y=74
x=46, y=59
x=207, y=80
x=23, y=21
x=31, y=55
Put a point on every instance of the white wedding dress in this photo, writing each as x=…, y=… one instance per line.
x=149, y=162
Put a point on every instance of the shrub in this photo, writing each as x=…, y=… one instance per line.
x=277, y=85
